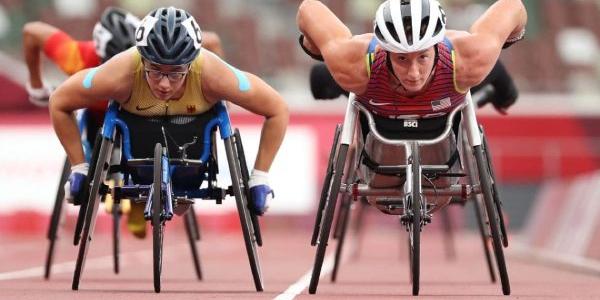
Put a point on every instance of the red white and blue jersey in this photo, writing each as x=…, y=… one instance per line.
x=439, y=97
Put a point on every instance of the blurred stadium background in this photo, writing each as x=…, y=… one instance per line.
x=545, y=150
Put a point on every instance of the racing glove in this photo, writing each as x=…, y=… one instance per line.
x=260, y=192
x=75, y=184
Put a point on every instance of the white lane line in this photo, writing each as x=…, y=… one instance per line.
x=300, y=285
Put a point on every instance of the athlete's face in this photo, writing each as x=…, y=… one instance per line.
x=413, y=69
x=165, y=81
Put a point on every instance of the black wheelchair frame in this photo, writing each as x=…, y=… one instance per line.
x=160, y=198
x=480, y=187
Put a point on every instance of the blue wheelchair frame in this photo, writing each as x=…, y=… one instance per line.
x=205, y=168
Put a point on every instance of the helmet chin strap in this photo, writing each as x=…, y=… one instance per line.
x=388, y=63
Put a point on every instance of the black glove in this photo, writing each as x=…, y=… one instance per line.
x=322, y=84
x=505, y=92
x=314, y=56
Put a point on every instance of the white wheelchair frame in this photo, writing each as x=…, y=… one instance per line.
x=480, y=186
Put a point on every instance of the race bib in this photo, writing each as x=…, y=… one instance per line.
x=101, y=38
x=193, y=31
x=142, y=32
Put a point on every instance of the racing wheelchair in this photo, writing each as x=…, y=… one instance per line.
x=165, y=184
x=88, y=123
x=401, y=167
x=351, y=212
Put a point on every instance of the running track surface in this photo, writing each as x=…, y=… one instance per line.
x=374, y=268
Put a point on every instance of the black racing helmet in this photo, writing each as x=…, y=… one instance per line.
x=169, y=36
x=115, y=32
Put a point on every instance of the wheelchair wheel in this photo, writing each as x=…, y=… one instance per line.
x=56, y=217
x=84, y=205
x=326, y=183
x=245, y=178
x=157, y=222
x=100, y=169
x=116, y=234
x=196, y=226
x=332, y=187
x=492, y=214
x=190, y=228
x=243, y=211
x=414, y=224
x=495, y=192
x=342, y=222
x=480, y=215
x=479, y=210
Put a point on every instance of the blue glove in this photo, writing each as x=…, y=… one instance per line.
x=261, y=196
x=75, y=184
x=260, y=192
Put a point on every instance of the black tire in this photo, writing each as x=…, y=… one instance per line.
x=480, y=216
x=196, y=226
x=56, y=217
x=479, y=210
x=326, y=184
x=157, y=222
x=189, y=229
x=342, y=226
x=243, y=212
x=116, y=234
x=84, y=205
x=333, y=187
x=100, y=169
x=495, y=193
x=245, y=177
x=414, y=226
x=491, y=212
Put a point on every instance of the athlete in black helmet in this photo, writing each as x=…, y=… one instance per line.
x=169, y=73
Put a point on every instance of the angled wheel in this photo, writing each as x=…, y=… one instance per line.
x=495, y=193
x=245, y=177
x=116, y=234
x=99, y=169
x=244, y=213
x=479, y=210
x=56, y=217
x=492, y=216
x=190, y=229
x=342, y=227
x=85, y=195
x=332, y=188
x=414, y=224
x=157, y=220
x=326, y=184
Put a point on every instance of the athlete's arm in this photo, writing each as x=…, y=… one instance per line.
x=212, y=42
x=35, y=35
x=478, y=51
x=343, y=53
x=112, y=80
x=250, y=92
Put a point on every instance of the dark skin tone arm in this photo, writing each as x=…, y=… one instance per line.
x=35, y=35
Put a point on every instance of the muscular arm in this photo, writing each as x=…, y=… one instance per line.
x=478, y=51
x=326, y=35
x=212, y=42
x=35, y=35
x=219, y=82
x=113, y=80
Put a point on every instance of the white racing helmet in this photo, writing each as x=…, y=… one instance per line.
x=406, y=26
